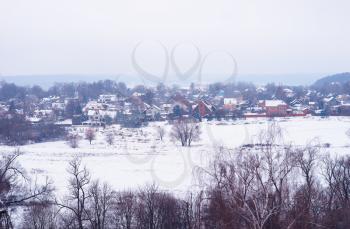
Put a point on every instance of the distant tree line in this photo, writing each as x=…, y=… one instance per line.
x=85, y=90
x=15, y=129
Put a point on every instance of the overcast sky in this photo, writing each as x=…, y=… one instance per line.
x=98, y=36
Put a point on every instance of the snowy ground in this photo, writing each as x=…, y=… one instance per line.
x=139, y=157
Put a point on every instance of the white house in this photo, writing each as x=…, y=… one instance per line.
x=152, y=111
x=107, y=98
x=94, y=105
x=95, y=118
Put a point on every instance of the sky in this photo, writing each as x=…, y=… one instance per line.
x=100, y=36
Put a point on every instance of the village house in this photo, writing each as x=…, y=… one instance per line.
x=313, y=105
x=39, y=115
x=95, y=118
x=342, y=109
x=202, y=109
x=180, y=105
x=99, y=113
x=329, y=105
x=230, y=104
x=58, y=106
x=166, y=109
x=107, y=98
x=94, y=105
x=274, y=108
x=289, y=93
x=343, y=99
x=65, y=123
x=153, y=112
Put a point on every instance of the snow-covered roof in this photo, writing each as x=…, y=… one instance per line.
x=274, y=103
x=260, y=89
x=138, y=94
x=254, y=114
x=93, y=105
x=155, y=107
x=288, y=90
x=328, y=99
x=33, y=119
x=64, y=122
x=92, y=112
x=43, y=112
x=108, y=113
x=229, y=101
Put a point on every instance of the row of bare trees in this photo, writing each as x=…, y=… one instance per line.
x=265, y=187
x=90, y=135
x=184, y=131
x=90, y=204
x=254, y=193
x=300, y=189
x=274, y=185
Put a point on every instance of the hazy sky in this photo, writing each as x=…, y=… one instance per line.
x=98, y=36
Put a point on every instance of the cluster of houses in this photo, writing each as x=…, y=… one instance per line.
x=136, y=109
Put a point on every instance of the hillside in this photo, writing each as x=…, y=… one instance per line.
x=340, y=78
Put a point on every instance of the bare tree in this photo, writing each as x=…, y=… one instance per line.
x=125, y=210
x=186, y=131
x=147, y=212
x=337, y=175
x=307, y=160
x=237, y=187
x=278, y=160
x=157, y=210
x=192, y=210
x=40, y=216
x=16, y=188
x=109, y=137
x=328, y=171
x=160, y=132
x=307, y=195
x=75, y=202
x=90, y=134
x=73, y=140
x=99, y=205
x=252, y=183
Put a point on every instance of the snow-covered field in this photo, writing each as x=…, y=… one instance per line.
x=138, y=156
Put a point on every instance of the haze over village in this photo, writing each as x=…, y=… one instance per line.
x=159, y=114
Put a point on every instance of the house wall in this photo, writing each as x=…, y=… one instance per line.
x=344, y=110
x=280, y=110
